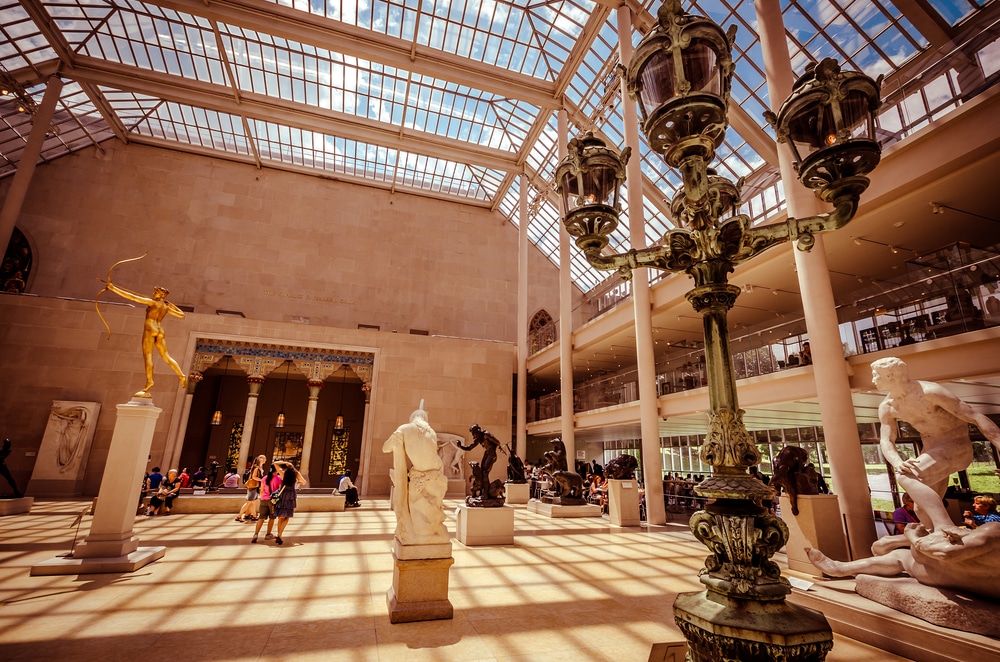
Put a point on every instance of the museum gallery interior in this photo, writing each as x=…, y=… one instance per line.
x=678, y=231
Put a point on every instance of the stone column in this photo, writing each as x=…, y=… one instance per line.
x=850, y=480
x=255, y=383
x=366, y=443
x=111, y=545
x=29, y=158
x=314, y=387
x=567, y=419
x=175, y=450
x=649, y=417
x=522, y=321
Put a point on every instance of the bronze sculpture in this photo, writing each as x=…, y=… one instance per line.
x=5, y=472
x=794, y=474
x=567, y=488
x=621, y=468
x=157, y=307
x=485, y=494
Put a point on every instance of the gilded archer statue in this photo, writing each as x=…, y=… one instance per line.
x=157, y=307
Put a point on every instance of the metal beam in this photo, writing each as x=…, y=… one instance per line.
x=220, y=98
x=303, y=27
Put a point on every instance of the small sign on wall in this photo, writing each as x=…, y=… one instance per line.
x=581, y=455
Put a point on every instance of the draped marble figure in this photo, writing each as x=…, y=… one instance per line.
x=419, y=484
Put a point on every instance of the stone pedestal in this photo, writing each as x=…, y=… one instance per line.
x=419, y=590
x=623, y=502
x=16, y=506
x=111, y=546
x=517, y=493
x=941, y=606
x=720, y=628
x=555, y=510
x=456, y=488
x=484, y=526
x=817, y=525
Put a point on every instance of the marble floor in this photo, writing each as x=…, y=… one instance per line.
x=568, y=589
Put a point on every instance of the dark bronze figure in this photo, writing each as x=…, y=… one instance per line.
x=515, y=468
x=5, y=472
x=485, y=494
x=567, y=486
x=621, y=468
x=795, y=474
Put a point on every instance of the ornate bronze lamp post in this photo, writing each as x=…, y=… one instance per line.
x=680, y=76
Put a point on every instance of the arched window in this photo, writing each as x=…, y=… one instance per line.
x=16, y=266
x=541, y=332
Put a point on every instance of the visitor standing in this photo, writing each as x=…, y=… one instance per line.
x=904, y=514
x=252, y=482
x=285, y=508
x=268, y=485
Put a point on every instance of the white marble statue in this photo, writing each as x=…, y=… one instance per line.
x=419, y=484
x=942, y=421
x=934, y=551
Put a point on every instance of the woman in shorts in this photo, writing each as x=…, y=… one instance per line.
x=268, y=485
x=249, y=510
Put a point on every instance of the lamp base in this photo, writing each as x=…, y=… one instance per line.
x=723, y=629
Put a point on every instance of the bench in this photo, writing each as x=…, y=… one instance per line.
x=220, y=502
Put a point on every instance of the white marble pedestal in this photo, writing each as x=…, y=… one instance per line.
x=419, y=590
x=555, y=510
x=818, y=525
x=516, y=493
x=16, y=506
x=456, y=488
x=484, y=526
x=111, y=546
x=623, y=502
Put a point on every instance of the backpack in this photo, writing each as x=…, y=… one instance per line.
x=246, y=474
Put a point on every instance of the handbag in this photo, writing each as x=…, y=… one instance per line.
x=276, y=496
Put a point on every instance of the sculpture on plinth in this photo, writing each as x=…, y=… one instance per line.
x=621, y=468
x=794, y=474
x=935, y=551
x=516, y=472
x=484, y=493
x=567, y=486
x=419, y=485
x=157, y=307
x=5, y=472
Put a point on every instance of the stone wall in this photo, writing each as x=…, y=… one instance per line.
x=54, y=349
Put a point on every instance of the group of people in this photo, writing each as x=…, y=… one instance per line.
x=164, y=490
x=270, y=496
x=678, y=492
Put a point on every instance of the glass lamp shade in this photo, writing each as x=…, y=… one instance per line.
x=338, y=424
x=280, y=422
x=216, y=417
x=589, y=182
x=829, y=122
x=680, y=75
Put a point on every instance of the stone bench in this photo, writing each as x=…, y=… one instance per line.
x=215, y=502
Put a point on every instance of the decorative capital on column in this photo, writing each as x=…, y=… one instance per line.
x=193, y=379
x=255, y=382
x=314, y=386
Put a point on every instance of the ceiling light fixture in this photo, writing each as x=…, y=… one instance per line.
x=280, y=423
x=338, y=423
x=217, y=416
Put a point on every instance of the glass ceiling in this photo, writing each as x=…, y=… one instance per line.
x=451, y=99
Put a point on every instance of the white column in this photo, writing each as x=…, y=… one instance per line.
x=522, y=321
x=567, y=419
x=366, y=447
x=255, y=384
x=649, y=418
x=847, y=467
x=307, y=437
x=111, y=531
x=173, y=452
x=29, y=158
